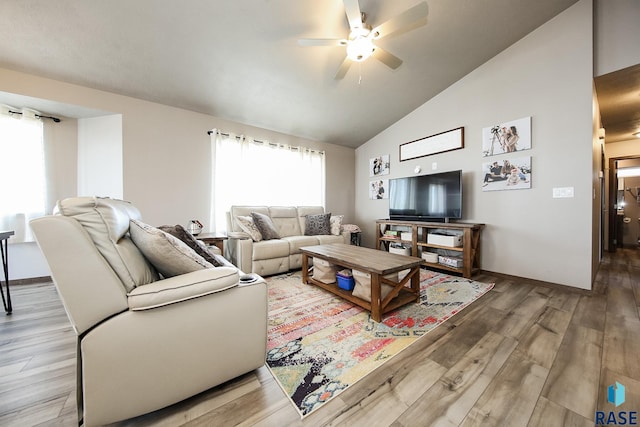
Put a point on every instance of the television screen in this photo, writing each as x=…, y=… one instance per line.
x=431, y=197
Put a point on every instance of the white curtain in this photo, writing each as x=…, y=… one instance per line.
x=250, y=172
x=22, y=173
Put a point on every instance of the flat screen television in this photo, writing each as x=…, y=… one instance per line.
x=435, y=197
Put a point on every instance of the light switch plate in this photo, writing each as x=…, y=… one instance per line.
x=562, y=192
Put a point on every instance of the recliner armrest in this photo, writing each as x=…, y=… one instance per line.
x=181, y=288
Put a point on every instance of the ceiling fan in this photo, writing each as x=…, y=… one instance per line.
x=360, y=44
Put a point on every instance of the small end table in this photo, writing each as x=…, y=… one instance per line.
x=216, y=239
x=4, y=249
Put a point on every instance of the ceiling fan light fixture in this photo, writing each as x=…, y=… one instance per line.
x=360, y=48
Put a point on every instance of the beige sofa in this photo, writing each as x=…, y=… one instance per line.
x=146, y=340
x=267, y=257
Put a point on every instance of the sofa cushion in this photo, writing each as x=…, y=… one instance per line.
x=297, y=242
x=285, y=219
x=107, y=223
x=303, y=211
x=168, y=254
x=181, y=233
x=325, y=240
x=317, y=225
x=265, y=225
x=247, y=225
x=236, y=211
x=336, y=224
x=177, y=289
x=267, y=249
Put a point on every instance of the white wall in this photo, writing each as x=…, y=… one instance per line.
x=617, y=36
x=100, y=156
x=547, y=75
x=166, y=154
x=61, y=153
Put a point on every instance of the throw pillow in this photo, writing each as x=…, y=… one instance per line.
x=181, y=233
x=168, y=254
x=316, y=225
x=247, y=225
x=336, y=224
x=265, y=225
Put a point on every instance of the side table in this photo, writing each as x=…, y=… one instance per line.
x=356, y=238
x=216, y=239
x=4, y=249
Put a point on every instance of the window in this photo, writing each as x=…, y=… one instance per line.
x=22, y=174
x=249, y=172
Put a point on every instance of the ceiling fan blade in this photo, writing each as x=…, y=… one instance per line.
x=406, y=19
x=386, y=58
x=322, y=42
x=354, y=16
x=342, y=70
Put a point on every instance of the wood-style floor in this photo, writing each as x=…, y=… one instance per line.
x=523, y=355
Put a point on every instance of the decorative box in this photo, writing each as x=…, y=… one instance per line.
x=399, y=249
x=345, y=280
x=430, y=257
x=406, y=236
x=450, y=261
x=450, y=240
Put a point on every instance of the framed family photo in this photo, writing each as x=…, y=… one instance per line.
x=507, y=174
x=379, y=189
x=507, y=137
x=379, y=165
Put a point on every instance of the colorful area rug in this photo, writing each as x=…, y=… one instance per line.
x=320, y=344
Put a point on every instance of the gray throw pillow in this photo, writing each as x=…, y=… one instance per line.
x=181, y=233
x=317, y=225
x=169, y=255
x=265, y=225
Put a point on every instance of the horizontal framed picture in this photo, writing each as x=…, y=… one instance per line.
x=439, y=143
x=507, y=174
x=507, y=137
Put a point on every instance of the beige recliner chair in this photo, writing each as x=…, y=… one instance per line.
x=144, y=341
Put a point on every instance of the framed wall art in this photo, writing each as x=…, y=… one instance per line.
x=439, y=143
x=379, y=189
x=507, y=174
x=379, y=165
x=507, y=137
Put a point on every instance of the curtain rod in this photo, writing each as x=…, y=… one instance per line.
x=55, y=119
x=209, y=132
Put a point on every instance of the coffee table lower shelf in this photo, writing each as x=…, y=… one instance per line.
x=404, y=297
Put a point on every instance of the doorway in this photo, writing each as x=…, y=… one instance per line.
x=624, y=203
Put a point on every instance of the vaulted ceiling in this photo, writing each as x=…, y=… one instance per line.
x=240, y=60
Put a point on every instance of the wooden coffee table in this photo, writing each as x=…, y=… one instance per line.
x=372, y=261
